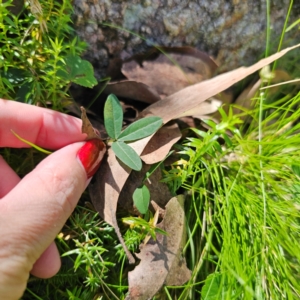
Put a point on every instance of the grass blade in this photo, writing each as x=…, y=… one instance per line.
x=31, y=144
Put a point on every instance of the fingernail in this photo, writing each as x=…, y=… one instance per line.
x=90, y=156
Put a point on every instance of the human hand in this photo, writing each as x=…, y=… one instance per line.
x=34, y=209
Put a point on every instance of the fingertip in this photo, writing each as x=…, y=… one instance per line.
x=41, y=126
x=48, y=263
x=90, y=155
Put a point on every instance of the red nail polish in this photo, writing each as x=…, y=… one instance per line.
x=90, y=155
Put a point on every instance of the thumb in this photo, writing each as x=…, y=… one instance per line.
x=34, y=211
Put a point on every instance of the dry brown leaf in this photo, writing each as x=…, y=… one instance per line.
x=171, y=70
x=161, y=260
x=244, y=99
x=191, y=96
x=247, y=94
x=111, y=176
x=103, y=182
x=87, y=127
x=161, y=143
x=132, y=90
x=205, y=108
x=130, y=112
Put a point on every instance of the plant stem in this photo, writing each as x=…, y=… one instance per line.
x=260, y=134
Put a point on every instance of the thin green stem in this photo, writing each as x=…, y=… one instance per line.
x=106, y=81
x=167, y=293
x=260, y=152
x=283, y=31
x=33, y=294
x=268, y=31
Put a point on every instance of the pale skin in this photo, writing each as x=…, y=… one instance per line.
x=34, y=209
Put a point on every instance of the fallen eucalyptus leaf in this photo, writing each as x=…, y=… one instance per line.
x=207, y=107
x=188, y=98
x=161, y=260
x=108, y=182
x=170, y=70
x=161, y=143
x=102, y=186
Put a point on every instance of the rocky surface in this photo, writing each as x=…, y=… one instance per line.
x=232, y=31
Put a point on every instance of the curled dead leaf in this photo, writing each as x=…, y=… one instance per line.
x=87, y=127
x=169, y=70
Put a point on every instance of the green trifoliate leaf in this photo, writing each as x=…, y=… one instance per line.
x=140, y=129
x=141, y=199
x=127, y=155
x=113, y=116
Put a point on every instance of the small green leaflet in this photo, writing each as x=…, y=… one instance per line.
x=141, y=199
x=127, y=155
x=113, y=116
x=140, y=129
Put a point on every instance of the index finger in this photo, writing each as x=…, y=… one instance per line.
x=41, y=126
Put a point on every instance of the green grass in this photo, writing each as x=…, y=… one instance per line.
x=35, y=47
x=243, y=207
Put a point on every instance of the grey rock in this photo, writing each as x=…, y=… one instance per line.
x=231, y=31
